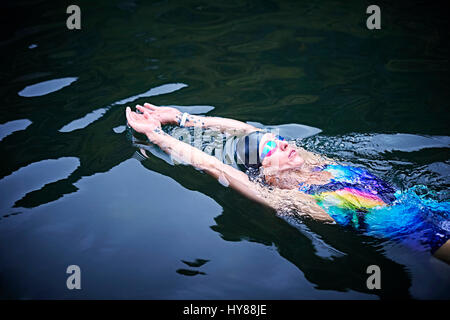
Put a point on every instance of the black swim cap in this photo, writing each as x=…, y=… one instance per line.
x=247, y=149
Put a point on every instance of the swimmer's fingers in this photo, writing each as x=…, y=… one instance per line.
x=159, y=110
x=151, y=115
x=139, y=123
x=128, y=113
x=132, y=117
x=144, y=111
x=150, y=106
x=155, y=111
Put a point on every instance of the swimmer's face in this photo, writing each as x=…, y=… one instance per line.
x=282, y=156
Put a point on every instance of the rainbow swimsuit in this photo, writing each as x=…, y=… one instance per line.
x=357, y=199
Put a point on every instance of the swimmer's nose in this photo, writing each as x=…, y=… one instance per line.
x=283, y=145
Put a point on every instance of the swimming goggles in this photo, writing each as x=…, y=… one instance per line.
x=270, y=147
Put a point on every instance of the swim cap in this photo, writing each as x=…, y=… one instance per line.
x=247, y=149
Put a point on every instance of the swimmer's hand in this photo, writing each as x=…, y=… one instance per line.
x=142, y=123
x=165, y=115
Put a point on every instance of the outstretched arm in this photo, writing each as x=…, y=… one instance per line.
x=185, y=153
x=168, y=115
x=238, y=180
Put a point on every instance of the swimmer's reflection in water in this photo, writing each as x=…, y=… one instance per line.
x=301, y=183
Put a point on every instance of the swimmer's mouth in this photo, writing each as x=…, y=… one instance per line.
x=292, y=154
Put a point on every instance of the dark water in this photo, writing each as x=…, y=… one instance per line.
x=72, y=191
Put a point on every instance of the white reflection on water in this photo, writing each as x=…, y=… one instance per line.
x=34, y=177
x=290, y=130
x=98, y=113
x=85, y=121
x=12, y=126
x=46, y=87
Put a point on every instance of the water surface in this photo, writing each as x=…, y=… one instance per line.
x=73, y=191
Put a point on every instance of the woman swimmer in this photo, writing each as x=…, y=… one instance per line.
x=295, y=180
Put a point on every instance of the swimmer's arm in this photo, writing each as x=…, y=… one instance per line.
x=222, y=124
x=238, y=180
x=167, y=115
x=185, y=153
x=309, y=205
x=292, y=201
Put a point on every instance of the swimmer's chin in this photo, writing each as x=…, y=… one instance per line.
x=286, y=168
x=299, y=164
x=295, y=164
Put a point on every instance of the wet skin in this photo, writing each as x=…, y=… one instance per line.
x=285, y=156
